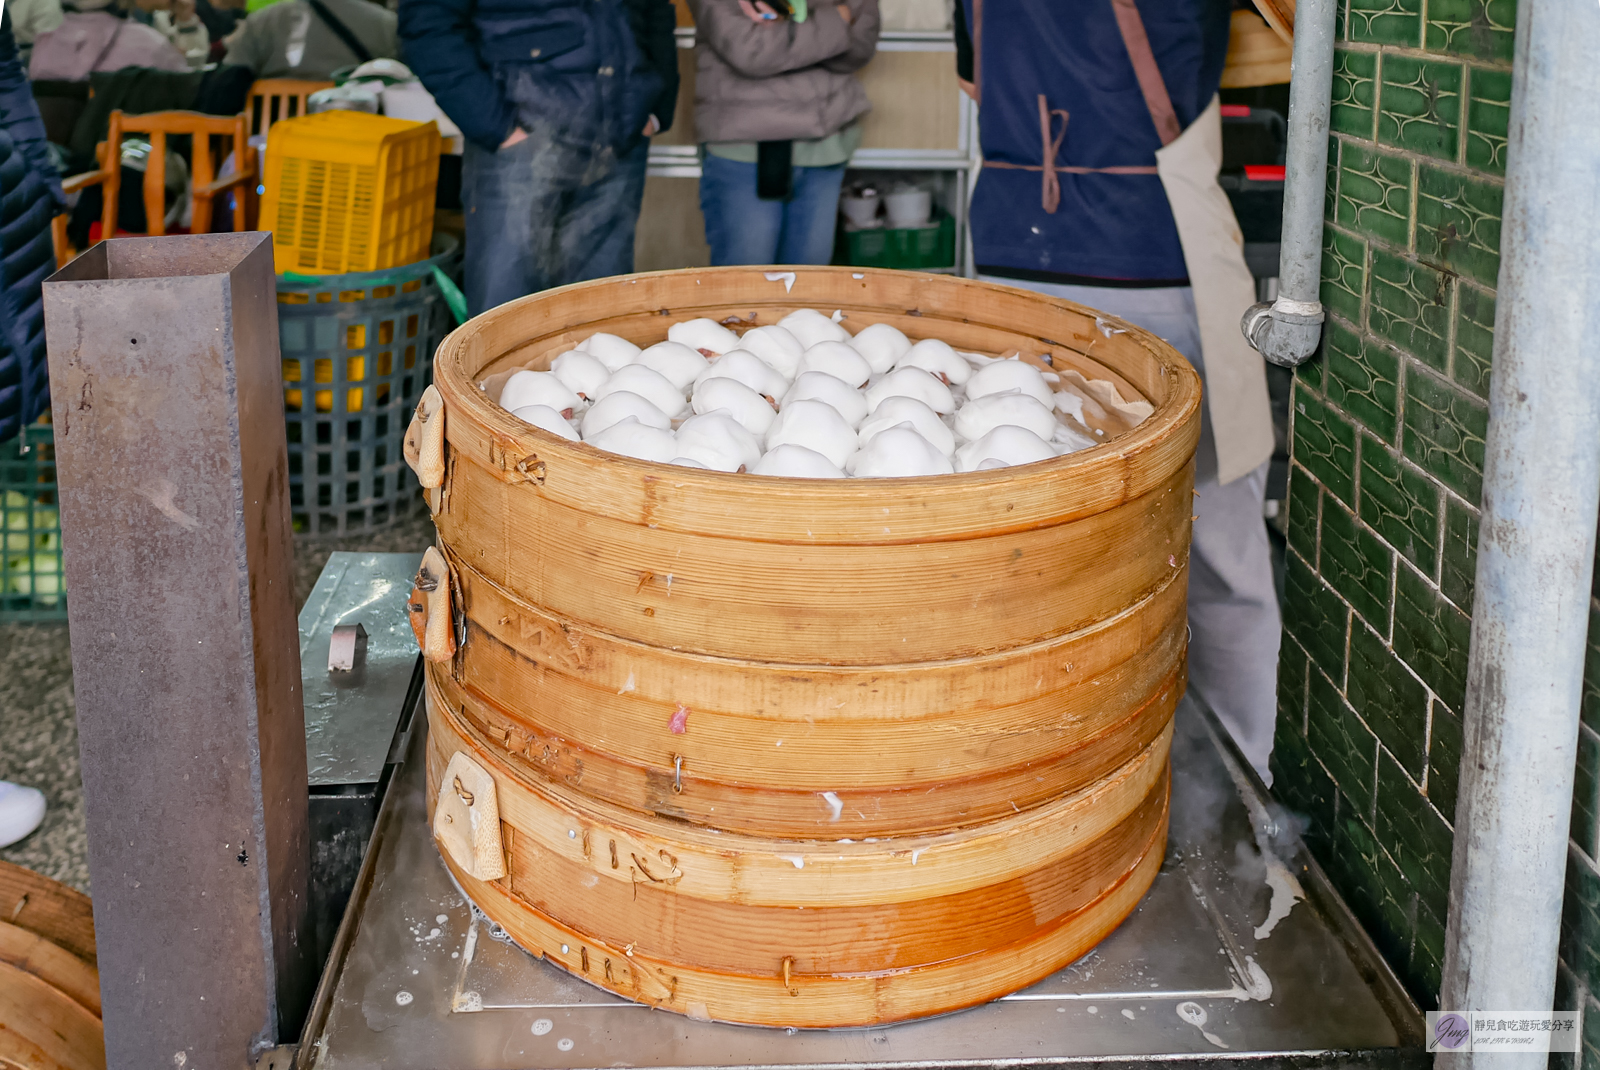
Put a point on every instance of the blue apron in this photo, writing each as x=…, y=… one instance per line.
x=1069, y=190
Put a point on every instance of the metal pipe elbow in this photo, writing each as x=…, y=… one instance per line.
x=1287, y=333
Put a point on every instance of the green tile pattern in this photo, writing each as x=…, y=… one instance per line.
x=1586, y=790
x=1421, y=106
x=1324, y=442
x=1444, y=757
x=1343, y=743
x=1356, y=563
x=1458, y=223
x=1387, y=454
x=1293, y=666
x=1385, y=694
x=1363, y=379
x=1378, y=896
x=1580, y=938
x=1344, y=271
x=1474, y=338
x=1459, y=559
x=1303, y=514
x=1416, y=836
x=1427, y=956
x=1591, y=671
x=1375, y=193
x=1488, y=117
x=1431, y=636
x=1400, y=504
x=1387, y=22
x=1355, y=92
x=1475, y=29
x=1444, y=432
x=1315, y=615
x=1410, y=306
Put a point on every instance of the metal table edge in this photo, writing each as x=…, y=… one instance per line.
x=410, y=733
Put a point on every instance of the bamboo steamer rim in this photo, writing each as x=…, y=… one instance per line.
x=829, y=1001
x=767, y=870
x=1161, y=443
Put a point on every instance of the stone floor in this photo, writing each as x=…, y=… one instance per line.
x=39, y=732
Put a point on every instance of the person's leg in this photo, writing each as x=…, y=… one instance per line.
x=741, y=228
x=598, y=219
x=21, y=811
x=1233, y=606
x=1233, y=613
x=810, y=215
x=512, y=200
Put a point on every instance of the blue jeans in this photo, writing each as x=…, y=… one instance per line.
x=546, y=212
x=743, y=229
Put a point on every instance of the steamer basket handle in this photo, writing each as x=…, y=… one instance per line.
x=466, y=819
x=424, y=442
x=429, y=608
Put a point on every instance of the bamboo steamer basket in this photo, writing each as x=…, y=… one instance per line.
x=802, y=752
x=49, y=982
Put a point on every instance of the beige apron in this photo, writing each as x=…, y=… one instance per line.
x=1213, y=252
x=1213, y=247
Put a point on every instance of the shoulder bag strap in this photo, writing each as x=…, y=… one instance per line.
x=342, y=32
x=111, y=43
x=1151, y=83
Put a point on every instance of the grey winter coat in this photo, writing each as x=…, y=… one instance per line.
x=779, y=80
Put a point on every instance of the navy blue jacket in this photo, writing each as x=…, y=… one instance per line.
x=1107, y=228
x=30, y=195
x=601, y=67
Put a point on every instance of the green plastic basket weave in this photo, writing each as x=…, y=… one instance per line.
x=357, y=354
x=32, y=583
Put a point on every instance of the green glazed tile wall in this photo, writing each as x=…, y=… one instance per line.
x=1387, y=468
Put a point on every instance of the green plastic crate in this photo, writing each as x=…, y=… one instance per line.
x=32, y=583
x=357, y=353
x=913, y=249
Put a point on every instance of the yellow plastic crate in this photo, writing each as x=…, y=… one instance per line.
x=347, y=191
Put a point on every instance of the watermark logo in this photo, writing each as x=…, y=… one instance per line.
x=1450, y=1032
x=1516, y=1031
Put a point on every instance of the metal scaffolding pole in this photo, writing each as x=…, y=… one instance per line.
x=1536, y=550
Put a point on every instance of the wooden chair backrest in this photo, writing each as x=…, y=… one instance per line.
x=272, y=99
x=202, y=167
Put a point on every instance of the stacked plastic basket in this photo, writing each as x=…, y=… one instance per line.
x=32, y=583
x=357, y=353
x=352, y=195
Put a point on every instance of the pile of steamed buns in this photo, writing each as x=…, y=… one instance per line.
x=805, y=398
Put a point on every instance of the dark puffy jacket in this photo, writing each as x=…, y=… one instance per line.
x=602, y=67
x=29, y=197
x=1107, y=226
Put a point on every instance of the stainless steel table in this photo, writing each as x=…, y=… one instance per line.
x=1240, y=950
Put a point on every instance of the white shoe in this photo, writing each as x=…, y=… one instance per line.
x=21, y=811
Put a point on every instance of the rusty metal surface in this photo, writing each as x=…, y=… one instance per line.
x=168, y=411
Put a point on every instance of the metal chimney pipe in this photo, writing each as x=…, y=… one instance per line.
x=170, y=450
x=1287, y=331
x=1541, y=487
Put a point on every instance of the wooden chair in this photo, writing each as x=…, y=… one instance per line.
x=202, y=172
x=272, y=99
